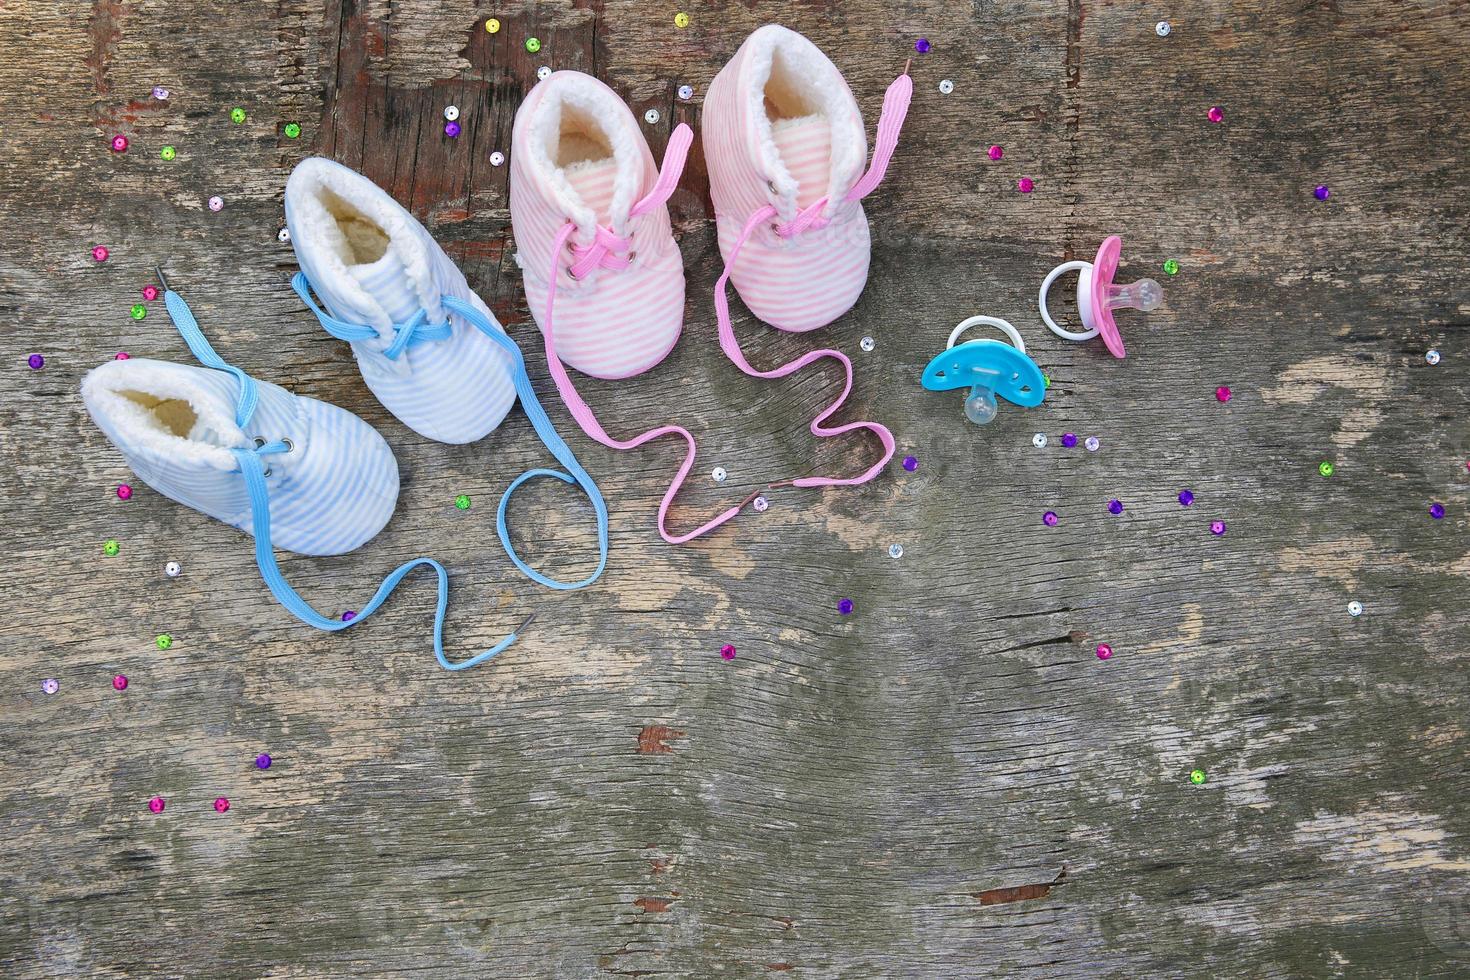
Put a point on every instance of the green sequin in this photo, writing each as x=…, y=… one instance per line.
x=138, y=312
x=1325, y=469
x=164, y=641
x=168, y=153
x=462, y=501
x=293, y=130
x=237, y=115
x=109, y=547
x=1197, y=777
x=1045, y=380
x=533, y=44
x=1171, y=267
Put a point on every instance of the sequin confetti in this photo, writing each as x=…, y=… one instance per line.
x=1104, y=652
x=681, y=20
x=718, y=474
x=1321, y=192
x=120, y=683
x=150, y=293
x=121, y=355
x=1222, y=393
x=1197, y=776
x=173, y=569
x=1216, y=114
x=124, y=492
x=1039, y=440
x=292, y=130
x=100, y=253
x=159, y=92
x=543, y=73
x=163, y=641
x=1432, y=356
x=156, y=804
x=36, y=362
x=110, y=547
x=221, y=804
x=216, y=203
x=760, y=504
x=451, y=112
x=1115, y=506
x=844, y=606
x=1436, y=511
x=237, y=115
x=533, y=44
x=651, y=116
x=138, y=311
x=867, y=344
x=1069, y=440
x=911, y=463
x=349, y=615
x=1171, y=267
x=497, y=158
x=284, y=236
x=923, y=46
x=995, y=151
x=50, y=686
x=1092, y=444
x=1050, y=518
x=1025, y=185
x=946, y=86
x=895, y=550
x=1162, y=28
x=1355, y=608
x=686, y=92
x=1186, y=497
x=727, y=652
x=462, y=501
x=1325, y=468
x=1217, y=528
x=492, y=26
x=263, y=761
x=119, y=143
x=452, y=130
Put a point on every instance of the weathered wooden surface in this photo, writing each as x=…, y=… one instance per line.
x=947, y=782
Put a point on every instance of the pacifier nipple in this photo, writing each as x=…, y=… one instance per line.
x=1145, y=295
x=980, y=406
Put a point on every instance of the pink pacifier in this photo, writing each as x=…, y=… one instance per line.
x=1098, y=297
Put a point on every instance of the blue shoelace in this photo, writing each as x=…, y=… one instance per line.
x=254, y=469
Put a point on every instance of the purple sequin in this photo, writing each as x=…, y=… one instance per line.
x=1186, y=497
x=1436, y=511
x=1115, y=506
x=1049, y=518
x=1069, y=440
x=451, y=129
x=922, y=45
x=844, y=606
x=910, y=463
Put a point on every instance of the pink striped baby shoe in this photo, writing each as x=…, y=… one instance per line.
x=782, y=133
x=578, y=157
x=604, y=278
x=785, y=145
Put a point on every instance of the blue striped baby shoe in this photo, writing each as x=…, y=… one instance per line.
x=292, y=471
x=382, y=279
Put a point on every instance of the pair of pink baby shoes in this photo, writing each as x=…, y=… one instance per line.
x=786, y=148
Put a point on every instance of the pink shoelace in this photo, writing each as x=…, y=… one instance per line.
x=608, y=250
x=890, y=122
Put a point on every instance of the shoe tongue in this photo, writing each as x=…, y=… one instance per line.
x=593, y=181
x=388, y=282
x=805, y=145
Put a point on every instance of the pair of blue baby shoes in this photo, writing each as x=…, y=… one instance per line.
x=307, y=476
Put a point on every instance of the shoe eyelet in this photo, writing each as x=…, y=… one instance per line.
x=259, y=442
x=290, y=446
x=631, y=257
x=267, y=472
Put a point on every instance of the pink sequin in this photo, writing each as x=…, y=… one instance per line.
x=150, y=293
x=1025, y=185
x=221, y=805
x=156, y=804
x=1216, y=114
x=1222, y=393
x=996, y=152
x=1104, y=651
x=119, y=143
x=120, y=683
x=121, y=355
x=727, y=652
x=100, y=253
x=124, y=492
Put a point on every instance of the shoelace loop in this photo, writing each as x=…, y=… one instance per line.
x=413, y=331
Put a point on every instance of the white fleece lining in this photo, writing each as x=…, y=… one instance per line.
x=320, y=193
x=106, y=390
x=594, y=103
x=825, y=94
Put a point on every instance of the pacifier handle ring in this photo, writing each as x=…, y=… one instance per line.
x=987, y=321
x=1051, y=277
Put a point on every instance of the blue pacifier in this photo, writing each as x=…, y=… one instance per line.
x=989, y=368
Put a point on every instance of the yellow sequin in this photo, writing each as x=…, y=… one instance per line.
x=681, y=19
x=492, y=26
